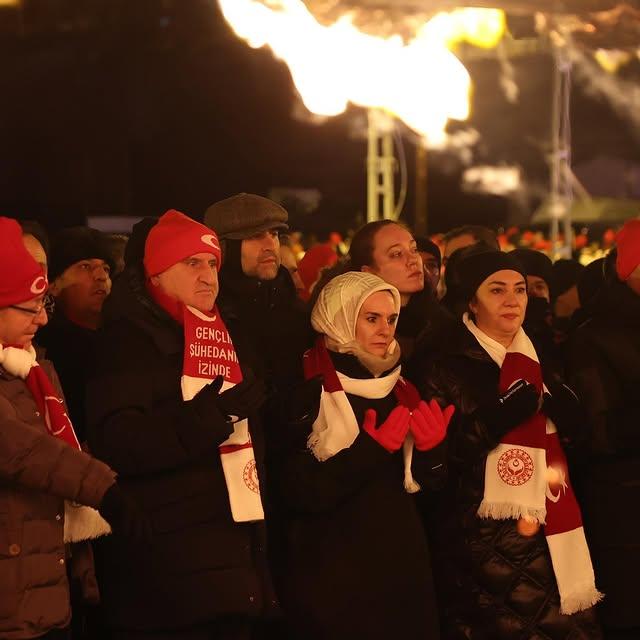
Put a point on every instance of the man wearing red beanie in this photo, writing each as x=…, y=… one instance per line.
x=603, y=364
x=173, y=408
x=41, y=464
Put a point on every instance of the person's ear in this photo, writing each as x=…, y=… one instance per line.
x=366, y=269
x=473, y=305
x=56, y=287
x=155, y=281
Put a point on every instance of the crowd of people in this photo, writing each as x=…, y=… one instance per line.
x=204, y=437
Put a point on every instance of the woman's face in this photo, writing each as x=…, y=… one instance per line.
x=500, y=304
x=396, y=260
x=19, y=322
x=376, y=323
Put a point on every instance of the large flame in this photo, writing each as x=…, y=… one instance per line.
x=421, y=82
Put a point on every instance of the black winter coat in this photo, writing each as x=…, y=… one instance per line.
x=604, y=367
x=200, y=565
x=357, y=562
x=70, y=347
x=492, y=583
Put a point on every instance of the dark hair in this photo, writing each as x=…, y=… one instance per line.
x=478, y=232
x=35, y=229
x=362, y=243
x=326, y=275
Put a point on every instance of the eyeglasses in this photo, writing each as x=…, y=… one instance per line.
x=34, y=312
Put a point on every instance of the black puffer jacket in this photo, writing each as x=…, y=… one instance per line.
x=357, y=562
x=200, y=565
x=604, y=367
x=492, y=583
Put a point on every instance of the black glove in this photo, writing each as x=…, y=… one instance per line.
x=303, y=402
x=241, y=401
x=511, y=409
x=564, y=408
x=300, y=408
x=124, y=515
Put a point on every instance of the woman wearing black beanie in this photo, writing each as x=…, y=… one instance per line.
x=513, y=562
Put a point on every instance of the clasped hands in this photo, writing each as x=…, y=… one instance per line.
x=427, y=423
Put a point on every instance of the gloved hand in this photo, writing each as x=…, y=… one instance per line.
x=561, y=405
x=239, y=402
x=124, y=515
x=392, y=432
x=429, y=424
x=515, y=406
x=303, y=402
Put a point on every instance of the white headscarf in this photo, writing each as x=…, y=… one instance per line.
x=335, y=314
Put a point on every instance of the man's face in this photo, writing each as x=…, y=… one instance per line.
x=538, y=288
x=260, y=255
x=193, y=281
x=19, y=322
x=83, y=287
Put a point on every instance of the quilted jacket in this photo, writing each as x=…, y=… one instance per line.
x=492, y=582
x=37, y=472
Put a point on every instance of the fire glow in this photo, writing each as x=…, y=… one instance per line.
x=420, y=81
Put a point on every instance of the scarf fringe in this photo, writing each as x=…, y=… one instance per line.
x=83, y=523
x=410, y=485
x=511, y=511
x=581, y=598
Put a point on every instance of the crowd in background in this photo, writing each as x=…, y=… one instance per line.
x=207, y=431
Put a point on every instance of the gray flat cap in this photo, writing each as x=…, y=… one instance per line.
x=243, y=215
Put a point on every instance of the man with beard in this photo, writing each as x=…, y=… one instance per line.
x=256, y=288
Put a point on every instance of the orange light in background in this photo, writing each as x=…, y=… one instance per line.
x=420, y=81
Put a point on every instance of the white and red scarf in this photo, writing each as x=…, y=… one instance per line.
x=336, y=426
x=208, y=353
x=80, y=522
x=526, y=476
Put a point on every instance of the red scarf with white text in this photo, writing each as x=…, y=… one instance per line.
x=208, y=353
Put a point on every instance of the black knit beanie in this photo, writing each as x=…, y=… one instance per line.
x=75, y=244
x=535, y=263
x=475, y=269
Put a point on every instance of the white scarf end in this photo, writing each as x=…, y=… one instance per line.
x=511, y=511
x=83, y=523
x=580, y=599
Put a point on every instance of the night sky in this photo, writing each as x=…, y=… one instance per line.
x=137, y=107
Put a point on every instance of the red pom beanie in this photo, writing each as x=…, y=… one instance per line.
x=174, y=238
x=21, y=277
x=628, y=243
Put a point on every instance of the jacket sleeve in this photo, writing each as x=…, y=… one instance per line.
x=613, y=415
x=307, y=485
x=35, y=460
x=135, y=426
x=468, y=437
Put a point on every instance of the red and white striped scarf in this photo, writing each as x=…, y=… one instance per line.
x=81, y=522
x=336, y=426
x=526, y=476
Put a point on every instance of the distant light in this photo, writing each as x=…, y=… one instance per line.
x=496, y=180
x=10, y=3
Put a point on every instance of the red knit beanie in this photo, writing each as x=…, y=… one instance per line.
x=174, y=238
x=21, y=277
x=628, y=243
